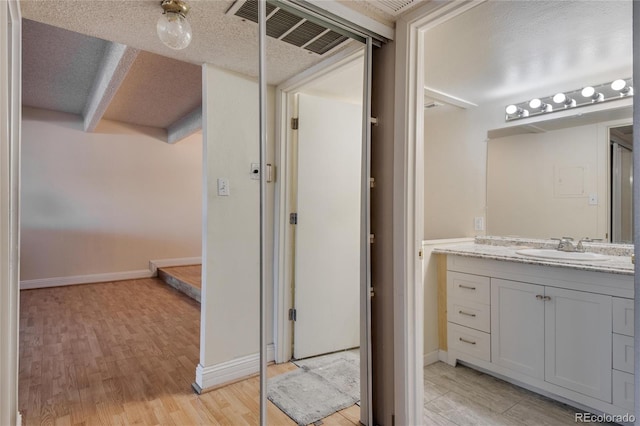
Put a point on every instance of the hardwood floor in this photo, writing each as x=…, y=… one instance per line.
x=125, y=353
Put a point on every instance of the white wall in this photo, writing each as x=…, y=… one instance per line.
x=455, y=159
x=108, y=201
x=538, y=185
x=230, y=299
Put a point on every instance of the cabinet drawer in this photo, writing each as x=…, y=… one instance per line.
x=469, y=314
x=623, y=353
x=469, y=287
x=623, y=392
x=622, y=316
x=469, y=341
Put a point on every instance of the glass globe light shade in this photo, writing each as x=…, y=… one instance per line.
x=174, y=30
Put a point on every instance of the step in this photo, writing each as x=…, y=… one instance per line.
x=186, y=279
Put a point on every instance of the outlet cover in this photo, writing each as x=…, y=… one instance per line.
x=255, y=171
x=478, y=223
x=223, y=187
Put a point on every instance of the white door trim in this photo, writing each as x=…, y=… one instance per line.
x=10, y=118
x=282, y=268
x=408, y=221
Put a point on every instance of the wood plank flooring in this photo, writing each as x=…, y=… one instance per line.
x=125, y=353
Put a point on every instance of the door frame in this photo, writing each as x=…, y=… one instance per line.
x=408, y=203
x=10, y=125
x=286, y=107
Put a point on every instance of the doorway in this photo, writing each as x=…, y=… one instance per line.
x=320, y=274
x=621, y=140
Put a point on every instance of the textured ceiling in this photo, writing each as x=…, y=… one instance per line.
x=218, y=39
x=499, y=49
x=103, y=59
x=58, y=71
x=157, y=91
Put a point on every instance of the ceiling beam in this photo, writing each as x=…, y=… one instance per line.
x=185, y=126
x=116, y=62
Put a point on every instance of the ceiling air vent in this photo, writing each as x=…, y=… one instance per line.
x=290, y=28
x=395, y=7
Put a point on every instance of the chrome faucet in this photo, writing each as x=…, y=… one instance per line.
x=565, y=244
x=581, y=248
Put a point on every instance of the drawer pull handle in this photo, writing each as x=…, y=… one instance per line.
x=547, y=298
x=467, y=341
x=467, y=314
x=466, y=287
x=541, y=297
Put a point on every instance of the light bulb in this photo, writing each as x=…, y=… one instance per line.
x=535, y=103
x=621, y=86
x=516, y=110
x=174, y=30
x=588, y=91
x=559, y=98
x=511, y=109
x=618, y=85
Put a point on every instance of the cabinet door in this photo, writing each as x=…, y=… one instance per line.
x=517, y=326
x=578, y=341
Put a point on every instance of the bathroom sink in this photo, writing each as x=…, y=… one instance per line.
x=561, y=255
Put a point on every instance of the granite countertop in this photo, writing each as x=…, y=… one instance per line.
x=504, y=248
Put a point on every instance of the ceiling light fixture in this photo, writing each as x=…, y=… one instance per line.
x=590, y=92
x=173, y=28
x=619, y=90
x=622, y=87
x=561, y=98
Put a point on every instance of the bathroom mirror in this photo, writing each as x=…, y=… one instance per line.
x=547, y=177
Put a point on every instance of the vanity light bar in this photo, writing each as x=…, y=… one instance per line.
x=587, y=95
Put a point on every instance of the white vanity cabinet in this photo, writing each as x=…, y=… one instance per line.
x=567, y=332
x=623, y=353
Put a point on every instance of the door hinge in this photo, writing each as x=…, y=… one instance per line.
x=372, y=182
x=293, y=218
x=420, y=254
x=372, y=238
x=372, y=292
x=294, y=123
x=292, y=314
x=373, y=120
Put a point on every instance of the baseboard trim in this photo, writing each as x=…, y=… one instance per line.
x=431, y=357
x=167, y=263
x=229, y=371
x=443, y=356
x=109, y=276
x=84, y=279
